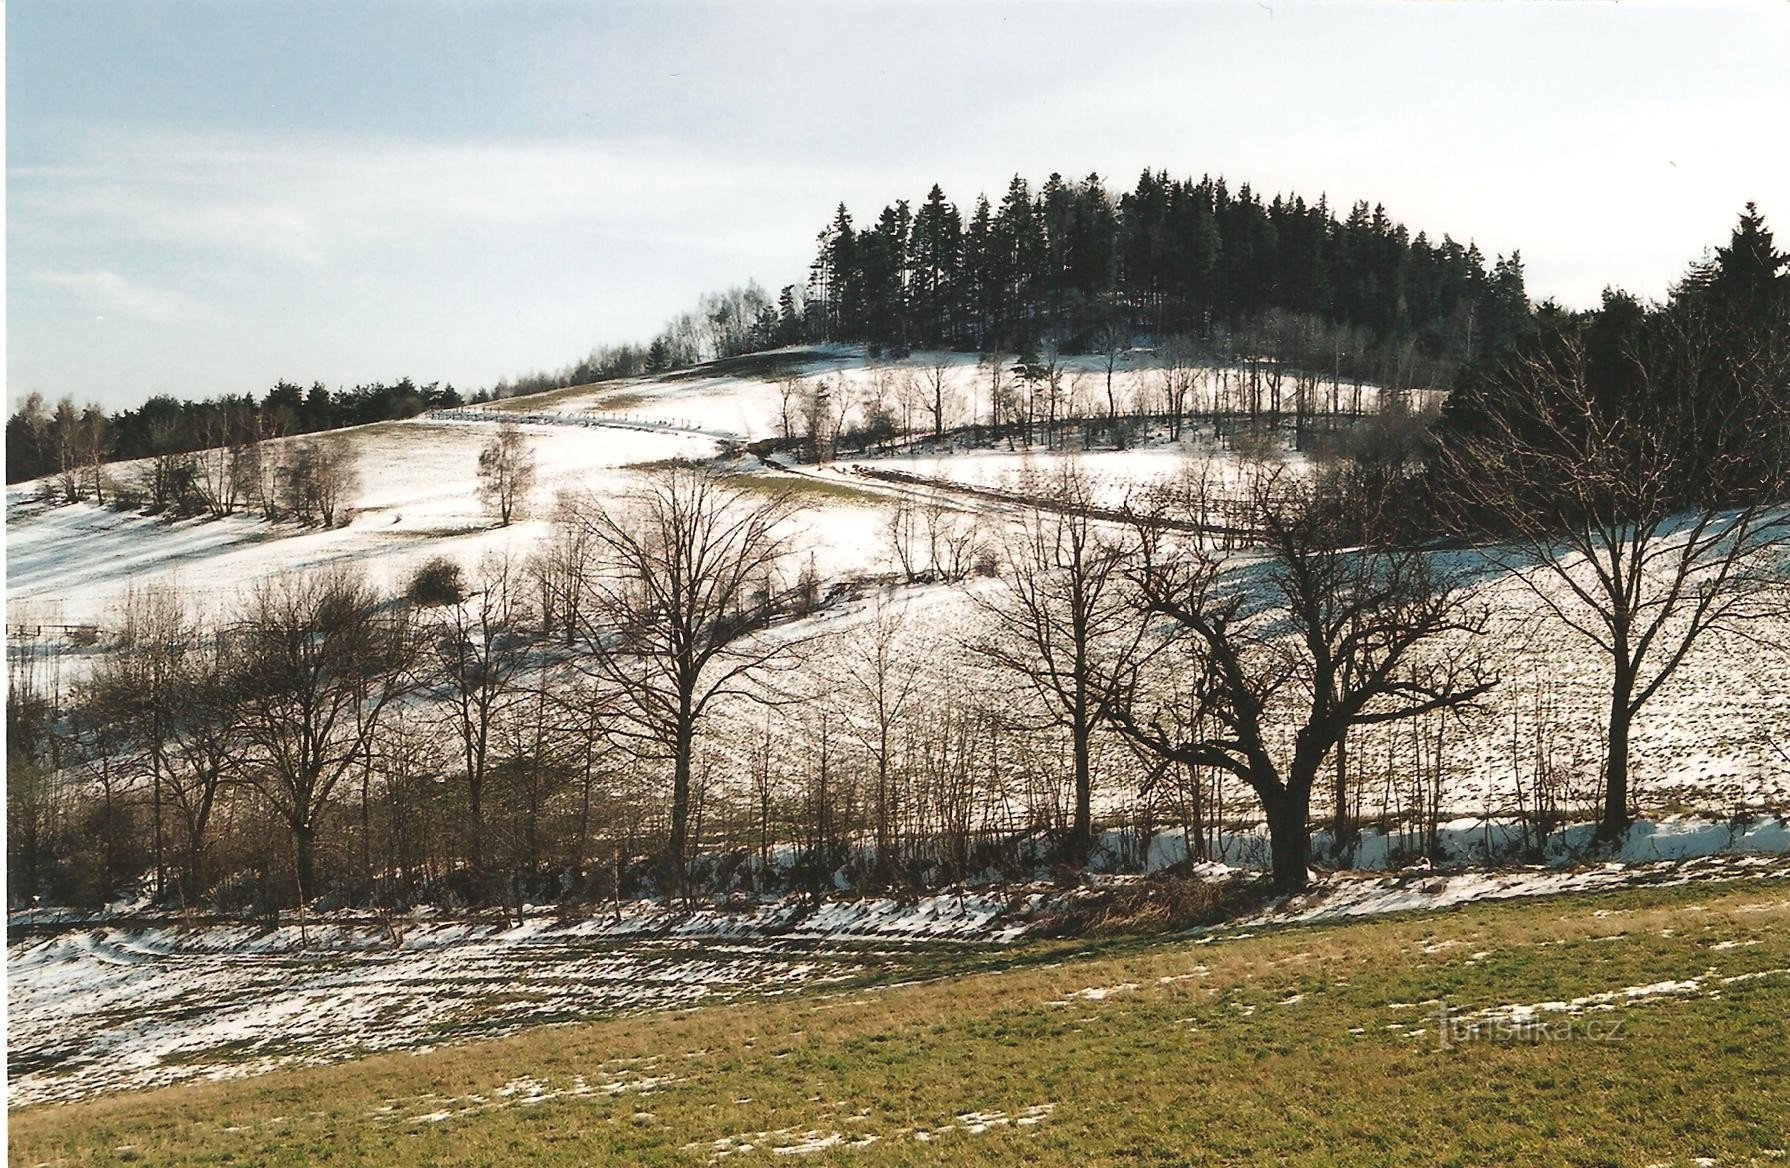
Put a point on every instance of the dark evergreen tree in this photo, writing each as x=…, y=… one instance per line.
x=936, y=253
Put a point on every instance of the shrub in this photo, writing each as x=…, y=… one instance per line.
x=437, y=582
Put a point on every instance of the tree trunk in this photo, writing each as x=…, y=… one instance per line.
x=193, y=879
x=1614, y=823
x=476, y=843
x=1081, y=841
x=1289, y=842
x=304, y=854
x=680, y=809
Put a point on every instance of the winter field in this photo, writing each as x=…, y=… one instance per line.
x=112, y=1002
x=1628, y=1027
x=102, y=1006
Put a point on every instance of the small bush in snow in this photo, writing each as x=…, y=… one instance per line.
x=437, y=582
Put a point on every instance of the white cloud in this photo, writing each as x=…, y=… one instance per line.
x=112, y=293
x=311, y=201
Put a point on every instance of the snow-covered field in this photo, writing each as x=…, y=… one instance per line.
x=104, y=1006
x=417, y=499
x=749, y=405
x=113, y=1009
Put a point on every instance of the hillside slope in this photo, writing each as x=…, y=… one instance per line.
x=1709, y=742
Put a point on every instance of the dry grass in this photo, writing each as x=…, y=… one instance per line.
x=1274, y=1048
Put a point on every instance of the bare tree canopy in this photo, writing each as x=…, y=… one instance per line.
x=506, y=472
x=1063, y=622
x=320, y=661
x=1313, y=638
x=1621, y=527
x=477, y=654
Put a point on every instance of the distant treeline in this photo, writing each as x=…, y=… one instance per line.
x=723, y=324
x=1074, y=268
x=46, y=440
x=1688, y=400
x=1070, y=263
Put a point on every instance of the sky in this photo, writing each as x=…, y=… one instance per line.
x=206, y=196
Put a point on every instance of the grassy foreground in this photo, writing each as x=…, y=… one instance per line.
x=1318, y=1045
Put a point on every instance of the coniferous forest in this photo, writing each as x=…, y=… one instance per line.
x=1073, y=265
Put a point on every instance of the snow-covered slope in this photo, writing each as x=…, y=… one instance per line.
x=1708, y=742
x=417, y=498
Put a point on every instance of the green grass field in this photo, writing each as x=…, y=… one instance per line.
x=1319, y=1045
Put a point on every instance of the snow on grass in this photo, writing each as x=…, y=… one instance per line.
x=1116, y=478
x=1094, y=994
x=109, y=1008
x=102, y=1011
x=743, y=398
x=522, y=1092
x=977, y=1123
x=1536, y=1019
x=787, y=1141
x=1342, y=896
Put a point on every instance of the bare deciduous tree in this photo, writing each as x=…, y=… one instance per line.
x=478, y=652
x=1063, y=622
x=319, y=662
x=789, y=387
x=937, y=376
x=557, y=571
x=881, y=682
x=506, y=472
x=1113, y=343
x=1605, y=532
x=673, y=603
x=175, y=679
x=96, y=446
x=319, y=480
x=1179, y=376
x=1312, y=636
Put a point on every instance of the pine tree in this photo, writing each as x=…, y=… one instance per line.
x=977, y=287
x=1750, y=277
x=936, y=252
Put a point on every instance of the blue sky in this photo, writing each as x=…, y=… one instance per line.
x=206, y=197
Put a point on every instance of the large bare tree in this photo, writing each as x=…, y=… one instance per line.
x=1614, y=527
x=1279, y=655
x=683, y=581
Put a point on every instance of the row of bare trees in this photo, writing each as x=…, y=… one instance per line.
x=1045, y=399
x=233, y=461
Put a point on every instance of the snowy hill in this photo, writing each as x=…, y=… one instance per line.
x=1707, y=743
